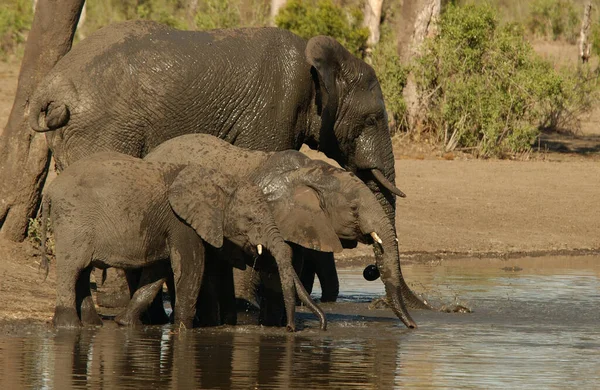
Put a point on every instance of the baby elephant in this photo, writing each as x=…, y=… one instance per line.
x=113, y=210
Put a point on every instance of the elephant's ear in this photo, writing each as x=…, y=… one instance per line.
x=302, y=221
x=200, y=201
x=323, y=53
x=326, y=56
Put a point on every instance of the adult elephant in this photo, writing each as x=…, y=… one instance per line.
x=130, y=86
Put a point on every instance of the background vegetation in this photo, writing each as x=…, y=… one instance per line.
x=486, y=90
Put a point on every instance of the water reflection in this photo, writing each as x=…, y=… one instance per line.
x=534, y=328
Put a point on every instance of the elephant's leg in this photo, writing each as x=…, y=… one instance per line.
x=272, y=305
x=187, y=262
x=307, y=275
x=140, y=301
x=324, y=266
x=68, y=269
x=207, y=307
x=226, y=293
x=84, y=302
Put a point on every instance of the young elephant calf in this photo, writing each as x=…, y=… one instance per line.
x=113, y=210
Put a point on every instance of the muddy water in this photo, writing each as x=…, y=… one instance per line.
x=535, y=324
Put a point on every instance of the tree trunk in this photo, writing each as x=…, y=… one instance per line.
x=372, y=13
x=24, y=155
x=192, y=10
x=426, y=15
x=276, y=5
x=585, y=46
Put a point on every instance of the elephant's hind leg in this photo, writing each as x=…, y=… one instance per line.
x=84, y=302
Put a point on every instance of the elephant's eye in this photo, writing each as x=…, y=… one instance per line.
x=371, y=121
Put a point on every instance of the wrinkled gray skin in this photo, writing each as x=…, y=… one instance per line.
x=130, y=86
x=315, y=205
x=113, y=210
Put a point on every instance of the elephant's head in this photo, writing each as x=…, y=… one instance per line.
x=219, y=207
x=353, y=126
x=316, y=205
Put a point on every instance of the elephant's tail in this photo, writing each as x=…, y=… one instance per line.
x=44, y=263
x=46, y=111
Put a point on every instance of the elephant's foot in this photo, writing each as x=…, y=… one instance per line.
x=126, y=318
x=66, y=317
x=89, y=315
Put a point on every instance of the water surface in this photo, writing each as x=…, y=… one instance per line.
x=534, y=325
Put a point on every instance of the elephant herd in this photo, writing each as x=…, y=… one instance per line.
x=178, y=161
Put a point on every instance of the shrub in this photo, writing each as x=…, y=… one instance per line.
x=15, y=20
x=309, y=18
x=487, y=89
x=34, y=233
x=218, y=14
x=554, y=19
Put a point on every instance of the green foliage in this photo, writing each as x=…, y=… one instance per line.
x=554, y=19
x=104, y=12
x=391, y=74
x=218, y=14
x=487, y=89
x=309, y=18
x=231, y=13
x=15, y=20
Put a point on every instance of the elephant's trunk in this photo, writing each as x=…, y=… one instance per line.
x=388, y=263
x=290, y=283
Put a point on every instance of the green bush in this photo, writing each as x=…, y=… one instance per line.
x=391, y=74
x=487, y=89
x=554, y=19
x=218, y=14
x=309, y=18
x=15, y=20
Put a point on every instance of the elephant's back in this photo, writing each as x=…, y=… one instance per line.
x=111, y=179
x=210, y=152
x=105, y=40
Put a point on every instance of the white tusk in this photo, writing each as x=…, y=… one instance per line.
x=376, y=238
x=259, y=249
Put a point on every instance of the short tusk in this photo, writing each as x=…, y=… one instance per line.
x=376, y=238
x=386, y=183
x=259, y=249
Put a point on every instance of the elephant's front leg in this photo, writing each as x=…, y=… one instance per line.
x=187, y=262
x=69, y=271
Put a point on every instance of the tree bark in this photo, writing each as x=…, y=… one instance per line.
x=585, y=46
x=424, y=25
x=276, y=5
x=24, y=155
x=192, y=10
x=372, y=14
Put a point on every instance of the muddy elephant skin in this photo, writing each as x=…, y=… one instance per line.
x=315, y=205
x=130, y=86
x=114, y=210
